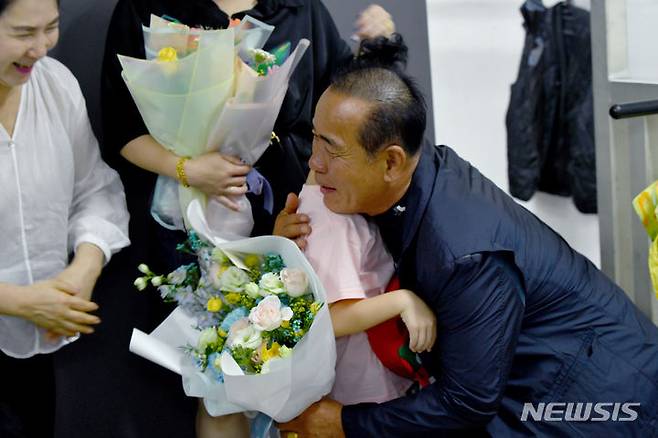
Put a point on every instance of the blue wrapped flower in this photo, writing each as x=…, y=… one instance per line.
x=233, y=316
x=215, y=368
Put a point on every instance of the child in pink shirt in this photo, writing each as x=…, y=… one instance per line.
x=354, y=266
x=350, y=258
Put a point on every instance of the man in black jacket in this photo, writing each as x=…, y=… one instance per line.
x=533, y=340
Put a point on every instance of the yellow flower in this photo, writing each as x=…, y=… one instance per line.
x=315, y=307
x=285, y=324
x=232, y=297
x=222, y=333
x=167, y=54
x=252, y=261
x=267, y=354
x=214, y=304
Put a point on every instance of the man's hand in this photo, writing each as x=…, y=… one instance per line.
x=320, y=420
x=373, y=22
x=292, y=225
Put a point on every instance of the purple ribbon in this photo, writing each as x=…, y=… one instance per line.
x=258, y=184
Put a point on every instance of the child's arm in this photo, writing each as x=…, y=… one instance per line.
x=355, y=316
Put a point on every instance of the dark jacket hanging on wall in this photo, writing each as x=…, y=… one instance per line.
x=550, y=132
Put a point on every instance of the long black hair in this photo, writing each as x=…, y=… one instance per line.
x=398, y=114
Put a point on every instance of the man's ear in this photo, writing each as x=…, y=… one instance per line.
x=396, y=163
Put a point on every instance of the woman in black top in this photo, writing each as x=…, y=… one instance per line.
x=284, y=163
x=109, y=391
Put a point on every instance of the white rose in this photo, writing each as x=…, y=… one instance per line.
x=269, y=314
x=252, y=289
x=243, y=334
x=214, y=275
x=207, y=337
x=295, y=281
x=234, y=279
x=271, y=283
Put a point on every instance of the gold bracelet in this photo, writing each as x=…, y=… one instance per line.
x=180, y=171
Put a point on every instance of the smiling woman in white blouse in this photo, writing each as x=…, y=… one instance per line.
x=62, y=209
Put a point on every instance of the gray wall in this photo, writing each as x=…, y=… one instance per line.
x=84, y=27
x=410, y=18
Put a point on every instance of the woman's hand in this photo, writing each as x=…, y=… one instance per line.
x=212, y=173
x=373, y=22
x=420, y=322
x=80, y=278
x=292, y=225
x=55, y=305
x=218, y=175
x=84, y=270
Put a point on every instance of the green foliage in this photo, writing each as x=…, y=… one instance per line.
x=246, y=301
x=281, y=53
x=272, y=263
x=193, y=276
x=243, y=356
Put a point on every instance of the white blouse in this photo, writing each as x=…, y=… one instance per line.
x=55, y=193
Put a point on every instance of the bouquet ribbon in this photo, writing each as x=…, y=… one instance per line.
x=258, y=185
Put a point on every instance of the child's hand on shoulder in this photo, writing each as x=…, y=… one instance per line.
x=293, y=225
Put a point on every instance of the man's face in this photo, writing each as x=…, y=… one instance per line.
x=28, y=29
x=351, y=180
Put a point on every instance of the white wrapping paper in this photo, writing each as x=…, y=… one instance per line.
x=291, y=385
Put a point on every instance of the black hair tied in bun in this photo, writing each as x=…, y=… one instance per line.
x=383, y=52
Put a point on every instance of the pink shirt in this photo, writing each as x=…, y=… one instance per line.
x=350, y=259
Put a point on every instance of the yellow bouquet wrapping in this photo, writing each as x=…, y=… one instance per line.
x=645, y=207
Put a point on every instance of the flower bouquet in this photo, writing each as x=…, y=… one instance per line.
x=203, y=90
x=250, y=332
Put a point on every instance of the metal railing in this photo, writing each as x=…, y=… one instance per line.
x=634, y=109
